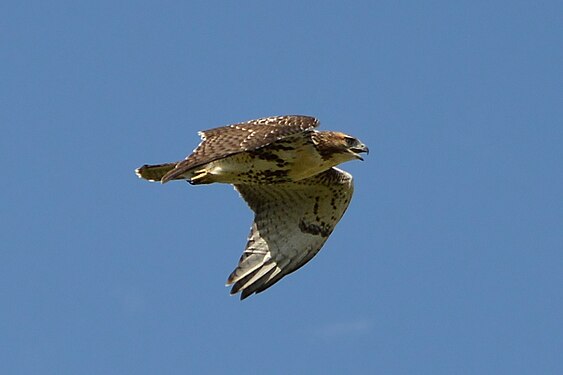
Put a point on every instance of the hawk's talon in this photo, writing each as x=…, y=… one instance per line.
x=201, y=176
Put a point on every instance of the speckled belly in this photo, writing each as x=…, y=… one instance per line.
x=261, y=166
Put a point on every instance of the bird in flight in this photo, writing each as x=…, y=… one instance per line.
x=286, y=172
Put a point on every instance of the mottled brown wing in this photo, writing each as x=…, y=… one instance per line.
x=292, y=222
x=220, y=142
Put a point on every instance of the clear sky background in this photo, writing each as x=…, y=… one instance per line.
x=449, y=259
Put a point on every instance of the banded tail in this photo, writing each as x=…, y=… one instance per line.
x=155, y=172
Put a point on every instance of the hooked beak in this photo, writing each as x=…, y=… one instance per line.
x=356, y=150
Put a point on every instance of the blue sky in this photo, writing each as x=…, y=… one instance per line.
x=449, y=259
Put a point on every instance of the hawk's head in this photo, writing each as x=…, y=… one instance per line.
x=338, y=147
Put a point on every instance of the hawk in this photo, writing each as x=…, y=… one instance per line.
x=285, y=171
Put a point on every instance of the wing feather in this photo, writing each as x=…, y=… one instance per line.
x=292, y=222
x=220, y=142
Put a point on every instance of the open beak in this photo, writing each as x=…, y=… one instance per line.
x=359, y=149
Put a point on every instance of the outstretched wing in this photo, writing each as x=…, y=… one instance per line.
x=220, y=142
x=292, y=222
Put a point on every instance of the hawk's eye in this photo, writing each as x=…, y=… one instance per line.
x=350, y=142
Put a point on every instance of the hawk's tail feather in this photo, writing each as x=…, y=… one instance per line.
x=154, y=172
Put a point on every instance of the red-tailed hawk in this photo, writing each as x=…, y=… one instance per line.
x=285, y=170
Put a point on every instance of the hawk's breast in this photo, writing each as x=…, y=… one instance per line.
x=287, y=160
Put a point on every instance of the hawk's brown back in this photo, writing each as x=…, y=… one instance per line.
x=221, y=142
